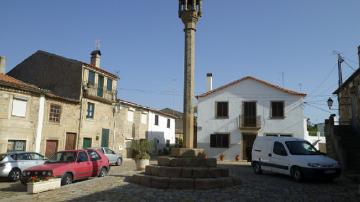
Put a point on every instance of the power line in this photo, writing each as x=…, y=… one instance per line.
x=325, y=79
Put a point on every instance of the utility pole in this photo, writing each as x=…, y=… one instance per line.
x=340, y=60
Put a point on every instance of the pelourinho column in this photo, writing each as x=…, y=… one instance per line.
x=189, y=12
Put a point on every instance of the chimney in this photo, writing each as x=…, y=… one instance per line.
x=2, y=64
x=359, y=55
x=209, y=81
x=95, y=58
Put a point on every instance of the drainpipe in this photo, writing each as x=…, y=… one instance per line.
x=40, y=123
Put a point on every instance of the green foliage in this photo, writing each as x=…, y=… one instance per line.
x=141, y=149
x=178, y=142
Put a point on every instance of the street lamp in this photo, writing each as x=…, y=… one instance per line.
x=330, y=102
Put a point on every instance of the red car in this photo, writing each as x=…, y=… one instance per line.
x=70, y=165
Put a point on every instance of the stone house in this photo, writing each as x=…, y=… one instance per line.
x=27, y=118
x=132, y=120
x=90, y=121
x=343, y=140
x=231, y=116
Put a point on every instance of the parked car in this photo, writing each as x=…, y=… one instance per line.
x=70, y=165
x=294, y=157
x=114, y=158
x=13, y=163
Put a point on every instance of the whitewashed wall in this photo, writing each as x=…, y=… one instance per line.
x=161, y=132
x=247, y=90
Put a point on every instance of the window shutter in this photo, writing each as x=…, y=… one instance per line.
x=19, y=107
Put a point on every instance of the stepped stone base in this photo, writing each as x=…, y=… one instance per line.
x=185, y=173
x=185, y=152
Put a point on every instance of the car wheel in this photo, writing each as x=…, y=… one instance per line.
x=257, y=168
x=67, y=179
x=14, y=174
x=297, y=174
x=119, y=162
x=102, y=172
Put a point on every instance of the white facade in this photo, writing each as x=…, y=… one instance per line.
x=160, y=131
x=236, y=93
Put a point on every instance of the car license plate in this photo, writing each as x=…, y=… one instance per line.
x=329, y=171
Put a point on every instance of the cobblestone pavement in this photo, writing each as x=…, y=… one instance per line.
x=268, y=187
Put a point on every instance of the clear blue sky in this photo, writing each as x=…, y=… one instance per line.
x=143, y=41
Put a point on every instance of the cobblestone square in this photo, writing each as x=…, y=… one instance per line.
x=267, y=187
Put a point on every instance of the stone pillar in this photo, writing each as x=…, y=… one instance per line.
x=189, y=69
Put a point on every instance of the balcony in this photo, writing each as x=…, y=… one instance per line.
x=249, y=122
x=99, y=93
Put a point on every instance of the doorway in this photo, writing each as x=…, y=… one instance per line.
x=70, y=141
x=105, y=137
x=247, y=142
x=87, y=142
x=51, y=147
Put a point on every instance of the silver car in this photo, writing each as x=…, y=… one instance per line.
x=13, y=163
x=114, y=158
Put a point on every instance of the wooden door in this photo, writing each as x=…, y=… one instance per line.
x=51, y=147
x=70, y=141
x=249, y=111
x=248, y=141
x=105, y=137
x=87, y=143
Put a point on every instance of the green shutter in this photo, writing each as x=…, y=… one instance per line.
x=105, y=137
x=87, y=143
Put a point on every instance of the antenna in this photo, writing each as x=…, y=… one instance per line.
x=97, y=44
x=282, y=79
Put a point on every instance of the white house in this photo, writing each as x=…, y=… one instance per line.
x=231, y=116
x=161, y=129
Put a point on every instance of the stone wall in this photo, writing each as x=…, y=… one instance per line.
x=17, y=128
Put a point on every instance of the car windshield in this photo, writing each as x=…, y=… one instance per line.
x=2, y=156
x=66, y=157
x=301, y=148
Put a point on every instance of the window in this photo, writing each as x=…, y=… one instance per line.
x=19, y=107
x=109, y=84
x=82, y=157
x=93, y=155
x=24, y=156
x=35, y=156
x=91, y=78
x=277, y=109
x=55, y=113
x=168, y=123
x=143, y=118
x=100, y=89
x=220, y=140
x=279, y=149
x=130, y=115
x=109, y=151
x=222, y=109
x=156, y=120
x=90, y=110
x=16, y=145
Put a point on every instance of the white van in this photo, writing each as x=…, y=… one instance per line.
x=294, y=157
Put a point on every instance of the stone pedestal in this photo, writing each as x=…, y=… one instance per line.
x=185, y=173
x=185, y=152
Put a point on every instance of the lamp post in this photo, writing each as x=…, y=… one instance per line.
x=330, y=102
x=190, y=12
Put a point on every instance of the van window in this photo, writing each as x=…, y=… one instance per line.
x=301, y=148
x=279, y=149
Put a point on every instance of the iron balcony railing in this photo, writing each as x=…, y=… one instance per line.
x=249, y=122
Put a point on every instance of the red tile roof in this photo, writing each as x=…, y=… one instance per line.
x=12, y=82
x=255, y=79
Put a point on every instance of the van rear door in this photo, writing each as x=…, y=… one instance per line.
x=260, y=153
x=279, y=160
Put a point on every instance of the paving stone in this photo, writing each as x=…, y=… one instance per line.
x=164, y=161
x=186, y=172
x=181, y=183
x=211, y=162
x=215, y=172
x=200, y=172
x=160, y=182
x=208, y=183
x=169, y=171
x=145, y=180
x=227, y=181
